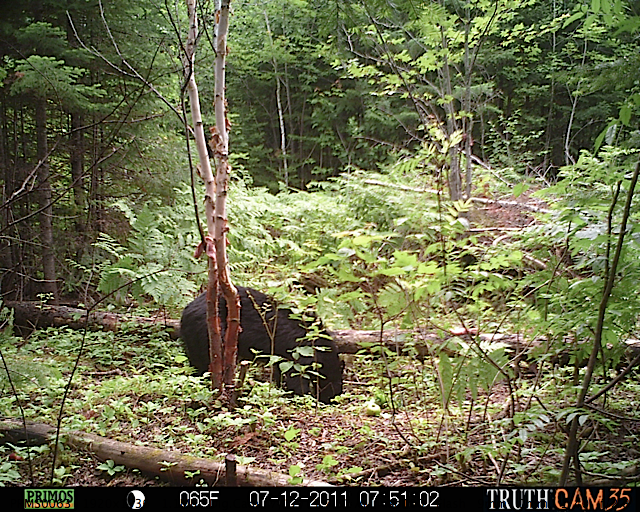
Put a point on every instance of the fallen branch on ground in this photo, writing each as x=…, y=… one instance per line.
x=481, y=200
x=169, y=466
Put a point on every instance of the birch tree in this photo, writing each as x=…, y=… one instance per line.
x=222, y=353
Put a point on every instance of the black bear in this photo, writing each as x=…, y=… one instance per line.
x=260, y=329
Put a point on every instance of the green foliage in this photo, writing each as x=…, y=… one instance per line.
x=588, y=226
x=24, y=370
x=44, y=73
x=110, y=467
x=400, y=276
x=283, y=41
x=290, y=228
x=575, y=82
x=47, y=77
x=8, y=472
x=476, y=366
x=275, y=233
x=155, y=262
x=328, y=462
x=42, y=38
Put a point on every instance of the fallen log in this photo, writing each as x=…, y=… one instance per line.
x=29, y=316
x=169, y=466
x=33, y=315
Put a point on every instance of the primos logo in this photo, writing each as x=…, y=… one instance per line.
x=49, y=498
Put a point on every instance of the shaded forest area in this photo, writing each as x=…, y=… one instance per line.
x=458, y=178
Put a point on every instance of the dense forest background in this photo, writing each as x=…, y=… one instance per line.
x=456, y=166
x=91, y=128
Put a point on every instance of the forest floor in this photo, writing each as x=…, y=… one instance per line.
x=341, y=445
x=412, y=443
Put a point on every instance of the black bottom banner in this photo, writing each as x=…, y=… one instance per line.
x=610, y=499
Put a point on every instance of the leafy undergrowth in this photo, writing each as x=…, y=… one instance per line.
x=134, y=386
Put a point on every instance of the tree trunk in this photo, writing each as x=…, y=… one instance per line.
x=467, y=121
x=76, y=159
x=46, y=215
x=283, y=137
x=223, y=169
x=13, y=281
x=213, y=318
x=454, y=176
x=547, y=161
x=7, y=279
x=95, y=202
x=222, y=354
